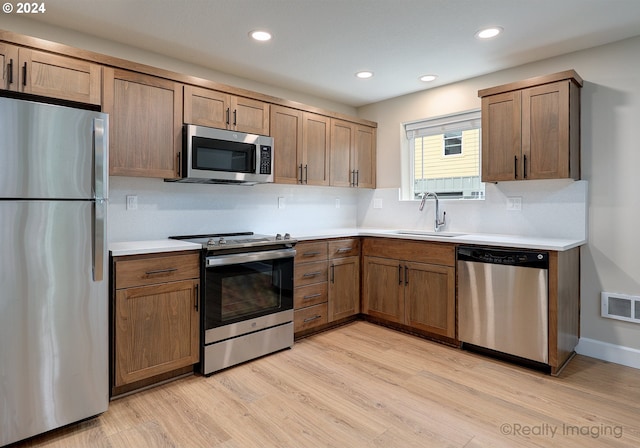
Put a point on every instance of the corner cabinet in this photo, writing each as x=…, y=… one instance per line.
x=221, y=110
x=145, y=124
x=155, y=315
x=410, y=283
x=45, y=74
x=531, y=129
x=353, y=155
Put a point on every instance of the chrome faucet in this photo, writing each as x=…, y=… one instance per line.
x=439, y=224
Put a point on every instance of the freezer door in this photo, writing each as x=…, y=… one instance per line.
x=53, y=317
x=49, y=151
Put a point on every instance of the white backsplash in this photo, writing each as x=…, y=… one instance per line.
x=550, y=208
x=166, y=209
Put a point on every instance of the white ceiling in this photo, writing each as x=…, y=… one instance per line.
x=318, y=45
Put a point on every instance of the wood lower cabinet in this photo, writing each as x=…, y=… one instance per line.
x=327, y=282
x=410, y=283
x=531, y=129
x=45, y=74
x=155, y=318
x=221, y=110
x=145, y=124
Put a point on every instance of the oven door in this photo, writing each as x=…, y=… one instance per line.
x=242, y=287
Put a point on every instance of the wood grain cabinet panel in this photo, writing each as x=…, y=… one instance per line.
x=410, y=283
x=145, y=124
x=344, y=288
x=156, y=323
x=531, y=129
x=353, y=155
x=221, y=110
x=50, y=75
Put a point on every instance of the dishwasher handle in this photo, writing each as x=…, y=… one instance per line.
x=508, y=257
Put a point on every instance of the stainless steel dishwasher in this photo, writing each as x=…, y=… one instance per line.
x=503, y=301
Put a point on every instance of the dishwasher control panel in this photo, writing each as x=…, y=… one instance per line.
x=515, y=257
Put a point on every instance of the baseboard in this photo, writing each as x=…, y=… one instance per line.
x=609, y=352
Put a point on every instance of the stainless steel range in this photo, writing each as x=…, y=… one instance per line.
x=247, y=297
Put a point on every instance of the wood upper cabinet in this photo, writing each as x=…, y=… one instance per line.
x=156, y=316
x=353, y=155
x=39, y=73
x=531, y=129
x=145, y=124
x=221, y=110
x=301, y=146
x=410, y=283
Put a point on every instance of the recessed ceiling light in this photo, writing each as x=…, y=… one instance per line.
x=364, y=74
x=259, y=35
x=428, y=78
x=488, y=33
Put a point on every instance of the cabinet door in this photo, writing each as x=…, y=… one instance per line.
x=9, y=64
x=204, y=107
x=316, y=134
x=545, y=131
x=342, y=136
x=156, y=330
x=365, y=157
x=250, y=116
x=286, y=130
x=60, y=77
x=383, y=289
x=501, y=137
x=430, y=298
x=344, y=288
x=145, y=124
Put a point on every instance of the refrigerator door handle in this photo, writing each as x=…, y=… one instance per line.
x=99, y=238
x=100, y=158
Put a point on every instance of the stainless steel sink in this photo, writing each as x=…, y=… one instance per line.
x=427, y=233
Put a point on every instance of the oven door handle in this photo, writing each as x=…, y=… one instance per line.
x=224, y=260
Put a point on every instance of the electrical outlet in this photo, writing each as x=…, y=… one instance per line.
x=337, y=202
x=281, y=203
x=514, y=203
x=132, y=202
x=377, y=203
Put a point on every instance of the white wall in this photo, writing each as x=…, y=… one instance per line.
x=610, y=164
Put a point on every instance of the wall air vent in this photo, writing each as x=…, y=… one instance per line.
x=620, y=306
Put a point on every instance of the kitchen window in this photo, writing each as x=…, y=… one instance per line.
x=445, y=156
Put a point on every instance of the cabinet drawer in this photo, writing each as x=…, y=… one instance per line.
x=344, y=248
x=310, y=295
x=309, y=273
x=158, y=269
x=310, y=317
x=306, y=252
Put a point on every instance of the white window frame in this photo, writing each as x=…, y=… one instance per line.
x=461, y=121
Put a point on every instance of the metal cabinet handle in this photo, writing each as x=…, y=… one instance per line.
x=311, y=296
x=344, y=249
x=333, y=273
x=312, y=274
x=228, y=110
x=406, y=275
x=235, y=117
x=179, y=166
x=524, y=170
x=310, y=254
x=197, y=297
x=357, y=178
x=24, y=74
x=306, y=174
x=399, y=274
x=309, y=319
x=161, y=271
x=10, y=69
x=300, y=168
x=515, y=167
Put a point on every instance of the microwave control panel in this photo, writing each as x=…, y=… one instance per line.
x=265, y=159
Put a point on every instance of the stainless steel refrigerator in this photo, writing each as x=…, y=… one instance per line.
x=53, y=267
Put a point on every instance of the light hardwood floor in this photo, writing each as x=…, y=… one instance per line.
x=363, y=385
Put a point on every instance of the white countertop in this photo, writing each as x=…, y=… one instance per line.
x=149, y=247
x=524, y=242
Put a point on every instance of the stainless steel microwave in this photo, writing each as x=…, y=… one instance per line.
x=212, y=155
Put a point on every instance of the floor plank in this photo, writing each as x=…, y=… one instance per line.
x=363, y=385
